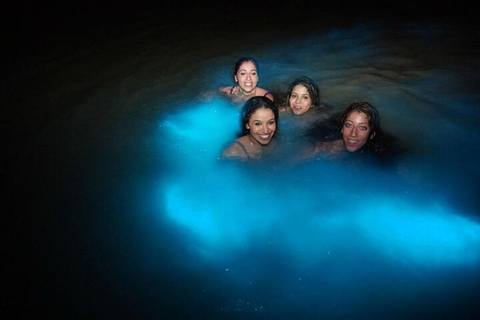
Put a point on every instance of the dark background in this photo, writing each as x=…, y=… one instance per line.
x=74, y=268
x=33, y=28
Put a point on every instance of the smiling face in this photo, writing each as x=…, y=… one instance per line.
x=247, y=77
x=262, y=125
x=356, y=131
x=300, y=100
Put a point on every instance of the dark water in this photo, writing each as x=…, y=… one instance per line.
x=118, y=208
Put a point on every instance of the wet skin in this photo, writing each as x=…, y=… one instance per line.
x=300, y=100
x=247, y=77
x=356, y=131
x=262, y=126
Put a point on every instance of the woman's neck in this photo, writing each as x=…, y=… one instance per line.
x=254, y=142
x=247, y=94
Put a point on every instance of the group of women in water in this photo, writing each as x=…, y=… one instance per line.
x=310, y=130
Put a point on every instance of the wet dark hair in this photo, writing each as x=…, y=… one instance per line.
x=312, y=89
x=383, y=146
x=380, y=143
x=242, y=61
x=252, y=105
x=370, y=111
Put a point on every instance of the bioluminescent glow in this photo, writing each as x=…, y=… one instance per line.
x=323, y=234
x=226, y=207
x=200, y=132
x=431, y=235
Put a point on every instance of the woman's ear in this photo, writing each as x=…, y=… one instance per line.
x=247, y=126
x=235, y=78
x=372, y=135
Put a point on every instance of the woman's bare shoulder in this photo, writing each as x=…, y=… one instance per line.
x=235, y=150
x=226, y=90
x=264, y=92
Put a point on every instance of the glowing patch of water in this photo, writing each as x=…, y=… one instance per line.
x=309, y=212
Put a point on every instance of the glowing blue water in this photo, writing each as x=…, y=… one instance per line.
x=309, y=232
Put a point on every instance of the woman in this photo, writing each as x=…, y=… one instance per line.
x=360, y=124
x=303, y=96
x=259, y=125
x=301, y=112
x=245, y=75
x=360, y=134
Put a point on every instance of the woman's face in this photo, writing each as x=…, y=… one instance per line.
x=300, y=100
x=262, y=125
x=247, y=77
x=356, y=131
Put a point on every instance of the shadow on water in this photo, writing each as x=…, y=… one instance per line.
x=119, y=208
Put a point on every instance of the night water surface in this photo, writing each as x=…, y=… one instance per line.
x=130, y=213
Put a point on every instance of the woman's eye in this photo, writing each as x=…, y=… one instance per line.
x=347, y=125
x=272, y=122
x=363, y=128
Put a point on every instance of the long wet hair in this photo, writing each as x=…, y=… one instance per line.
x=379, y=142
x=381, y=146
x=311, y=87
x=252, y=105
